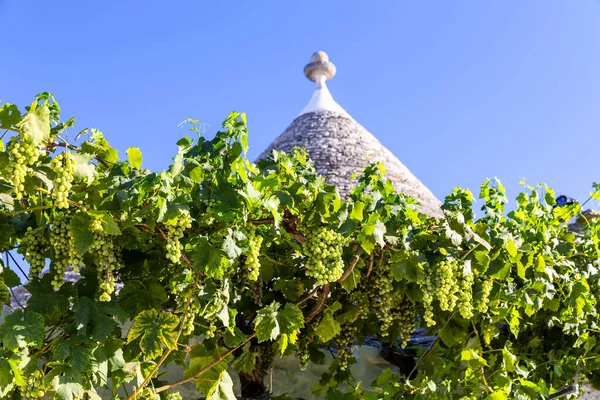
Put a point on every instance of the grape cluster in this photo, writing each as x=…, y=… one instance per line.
x=404, y=317
x=451, y=285
x=324, y=247
x=193, y=309
x=107, y=259
x=22, y=154
x=64, y=167
x=32, y=248
x=465, y=296
x=486, y=289
x=303, y=355
x=253, y=252
x=345, y=343
x=33, y=387
x=267, y=356
x=176, y=229
x=65, y=253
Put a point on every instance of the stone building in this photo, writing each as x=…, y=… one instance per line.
x=339, y=146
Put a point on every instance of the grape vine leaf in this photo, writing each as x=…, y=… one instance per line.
x=223, y=390
x=156, y=329
x=83, y=169
x=270, y=322
x=329, y=328
x=67, y=389
x=209, y=382
x=22, y=329
x=265, y=324
x=35, y=125
x=79, y=229
x=6, y=377
x=246, y=361
x=134, y=156
x=9, y=115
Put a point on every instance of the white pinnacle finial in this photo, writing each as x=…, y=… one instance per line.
x=320, y=70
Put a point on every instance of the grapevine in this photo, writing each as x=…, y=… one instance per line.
x=22, y=155
x=176, y=229
x=64, y=168
x=32, y=248
x=324, y=247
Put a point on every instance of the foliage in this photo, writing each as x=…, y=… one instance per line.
x=167, y=257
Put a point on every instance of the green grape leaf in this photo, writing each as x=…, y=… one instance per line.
x=472, y=359
x=11, y=279
x=79, y=229
x=352, y=281
x=290, y=319
x=223, y=390
x=329, y=328
x=266, y=324
x=157, y=331
x=134, y=156
x=509, y=359
x=84, y=170
x=9, y=115
x=209, y=380
x=245, y=362
x=22, y=329
x=6, y=376
x=357, y=211
x=66, y=388
x=35, y=125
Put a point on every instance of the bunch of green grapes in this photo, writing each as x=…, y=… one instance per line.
x=21, y=155
x=303, y=354
x=267, y=356
x=345, y=343
x=176, y=229
x=32, y=248
x=486, y=290
x=33, y=387
x=323, y=247
x=253, y=252
x=440, y=284
x=465, y=296
x=107, y=260
x=427, y=300
x=65, y=253
x=399, y=313
x=64, y=167
x=257, y=293
x=193, y=309
x=404, y=317
x=212, y=330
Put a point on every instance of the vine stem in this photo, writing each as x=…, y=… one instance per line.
x=351, y=266
x=10, y=214
x=42, y=190
x=203, y=370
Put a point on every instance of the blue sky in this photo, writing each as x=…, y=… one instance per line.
x=458, y=90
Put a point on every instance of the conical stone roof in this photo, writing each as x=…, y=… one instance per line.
x=339, y=146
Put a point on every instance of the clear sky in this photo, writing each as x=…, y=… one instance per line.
x=458, y=90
